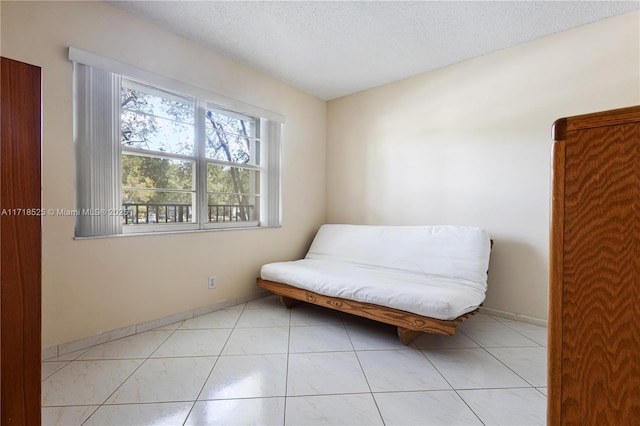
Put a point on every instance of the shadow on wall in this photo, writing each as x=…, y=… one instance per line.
x=518, y=279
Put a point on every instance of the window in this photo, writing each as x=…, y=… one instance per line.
x=152, y=159
x=159, y=156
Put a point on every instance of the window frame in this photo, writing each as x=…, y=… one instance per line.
x=268, y=125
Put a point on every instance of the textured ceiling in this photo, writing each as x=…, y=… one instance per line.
x=332, y=49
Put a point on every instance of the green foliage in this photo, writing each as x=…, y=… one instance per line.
x=140, y=172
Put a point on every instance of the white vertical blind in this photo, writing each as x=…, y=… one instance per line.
x=272, y=135
x=97, y=141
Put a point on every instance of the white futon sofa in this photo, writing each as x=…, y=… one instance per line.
x=418, y=278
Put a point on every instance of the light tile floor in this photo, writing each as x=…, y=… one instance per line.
x=260, y=363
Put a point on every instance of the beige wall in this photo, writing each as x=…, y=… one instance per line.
x=470, y=144
x=98, y=285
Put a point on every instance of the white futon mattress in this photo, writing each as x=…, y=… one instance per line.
x=434, y=271
x=428, y=295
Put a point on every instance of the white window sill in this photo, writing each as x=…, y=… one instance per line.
x=177, y=231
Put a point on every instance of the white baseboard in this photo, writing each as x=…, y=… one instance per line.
x=514, y=317
x=66, y=348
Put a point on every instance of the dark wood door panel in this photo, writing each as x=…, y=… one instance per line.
x=594, y=295
x=601, y=289
x=20, y=241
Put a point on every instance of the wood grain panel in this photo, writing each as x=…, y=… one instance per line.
x=600, y=288
x=20, y=242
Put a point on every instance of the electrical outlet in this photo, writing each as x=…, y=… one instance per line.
x=212, y=282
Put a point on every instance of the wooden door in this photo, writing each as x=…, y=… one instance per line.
x=594, y=316
x=20, y=244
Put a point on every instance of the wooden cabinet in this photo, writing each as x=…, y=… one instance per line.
x=594, y=297
x=20, y=239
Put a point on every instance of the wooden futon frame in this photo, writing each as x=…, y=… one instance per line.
x=409, y=325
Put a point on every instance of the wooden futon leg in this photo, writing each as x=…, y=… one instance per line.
x=406, y=336
x=289, y=302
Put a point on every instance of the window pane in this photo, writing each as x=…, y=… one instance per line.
x=233, y=193
x=151, y=206
x=139, y=171
x=157, y=123
x=231, y=138
x=143, y=181
x=232, y=180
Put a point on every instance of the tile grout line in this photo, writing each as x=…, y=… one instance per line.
x=449, y=383
x=214, y=365
x=129, y=376
x=286, y=374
